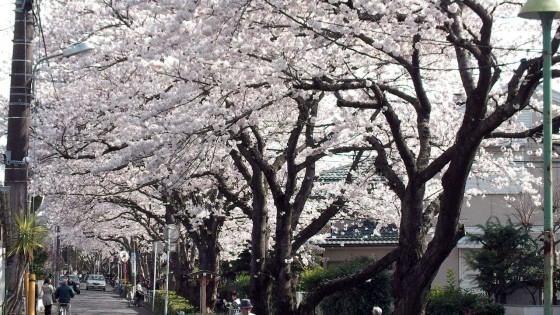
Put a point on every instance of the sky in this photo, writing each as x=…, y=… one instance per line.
x=6, y=35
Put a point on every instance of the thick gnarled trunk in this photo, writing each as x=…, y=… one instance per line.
x=284, y=286
x=206, y=241
x=260, y=282
x=14, y=301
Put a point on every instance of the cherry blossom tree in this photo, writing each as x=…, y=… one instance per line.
x=253, y=95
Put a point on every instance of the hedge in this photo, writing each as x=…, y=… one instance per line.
x=176, y=303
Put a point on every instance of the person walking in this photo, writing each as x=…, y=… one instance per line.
x=64, y=294
x=48, y=292
x=246, y=307
x=233, y=307
x=139, y=294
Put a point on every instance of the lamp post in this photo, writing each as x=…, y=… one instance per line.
x=77, y=49
x=22, y=91
x=171, y=234
x=15, y=156
x=546, y=11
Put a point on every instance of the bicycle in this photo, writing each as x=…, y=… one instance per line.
x=232, y=308
x=64, y=309
x=130, y=298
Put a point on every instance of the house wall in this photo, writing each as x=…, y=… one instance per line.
x=337, y=255
x=451, y=262
x=455, y=261
x=476, y=211
x=480, y=209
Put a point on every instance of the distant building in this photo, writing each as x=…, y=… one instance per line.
x=352, y=238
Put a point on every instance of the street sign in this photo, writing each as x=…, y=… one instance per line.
x=133, y=261
x=158, y=247
x=172, y=247
x=123, y=255
x=171, y=233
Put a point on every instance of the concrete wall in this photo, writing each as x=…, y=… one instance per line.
x=337, y=255
x=528, y=310
x=477, y=212
x=481, y=209
x=454, y=261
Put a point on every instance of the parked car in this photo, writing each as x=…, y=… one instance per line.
x=73, y=278
x=96, y=282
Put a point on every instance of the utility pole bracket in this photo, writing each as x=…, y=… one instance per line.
x=8, y=159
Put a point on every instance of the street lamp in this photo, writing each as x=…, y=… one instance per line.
x=546, y=11
x=68, y=52
x=22, y=91
x=77, y=49
x=171, y=234
x=18, y=138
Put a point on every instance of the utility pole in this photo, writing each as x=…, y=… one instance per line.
x=56, y=257
x=15, y=157
x=133, y=264
x=68, y=256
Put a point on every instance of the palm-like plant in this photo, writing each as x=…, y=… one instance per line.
x=28, y=238
x=29, y=235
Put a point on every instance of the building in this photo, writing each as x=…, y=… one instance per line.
x=349, y=238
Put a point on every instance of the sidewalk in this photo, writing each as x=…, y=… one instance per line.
x=102, y=303
x=144, y=308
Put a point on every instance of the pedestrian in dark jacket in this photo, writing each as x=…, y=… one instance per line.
x=64, y=294
x=74, y=286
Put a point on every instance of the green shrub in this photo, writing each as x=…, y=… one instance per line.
x=357, y=300
x=452, y=300
x=176, y=303
x=310, y=279
x=242, y=285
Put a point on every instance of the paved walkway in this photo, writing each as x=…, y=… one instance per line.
x=103, y=303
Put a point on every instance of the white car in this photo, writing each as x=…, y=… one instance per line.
x=95, y=282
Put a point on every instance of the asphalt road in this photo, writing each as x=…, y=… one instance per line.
x=102, y=303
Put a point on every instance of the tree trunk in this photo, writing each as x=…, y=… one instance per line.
x=414, y=296
x=419, y=261
x=283, y=288
x=14, y=302
x=181, y=268
x=143, y=269
x=259, y=285
x=411, y=288
x=206, y=241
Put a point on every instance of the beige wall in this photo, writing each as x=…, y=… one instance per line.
x=451, y=262
x=477, y=212
x=336, y=255
x=480, y=209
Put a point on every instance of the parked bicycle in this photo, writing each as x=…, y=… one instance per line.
x=64, y=294
x=64, y=309
x=129, y=296
x=138, y=295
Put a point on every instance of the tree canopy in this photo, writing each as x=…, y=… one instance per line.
x=223, y=114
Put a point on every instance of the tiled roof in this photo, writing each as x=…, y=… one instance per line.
x=344, y=233
x=339, y=173
x=375, y=241
x=356, y=233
